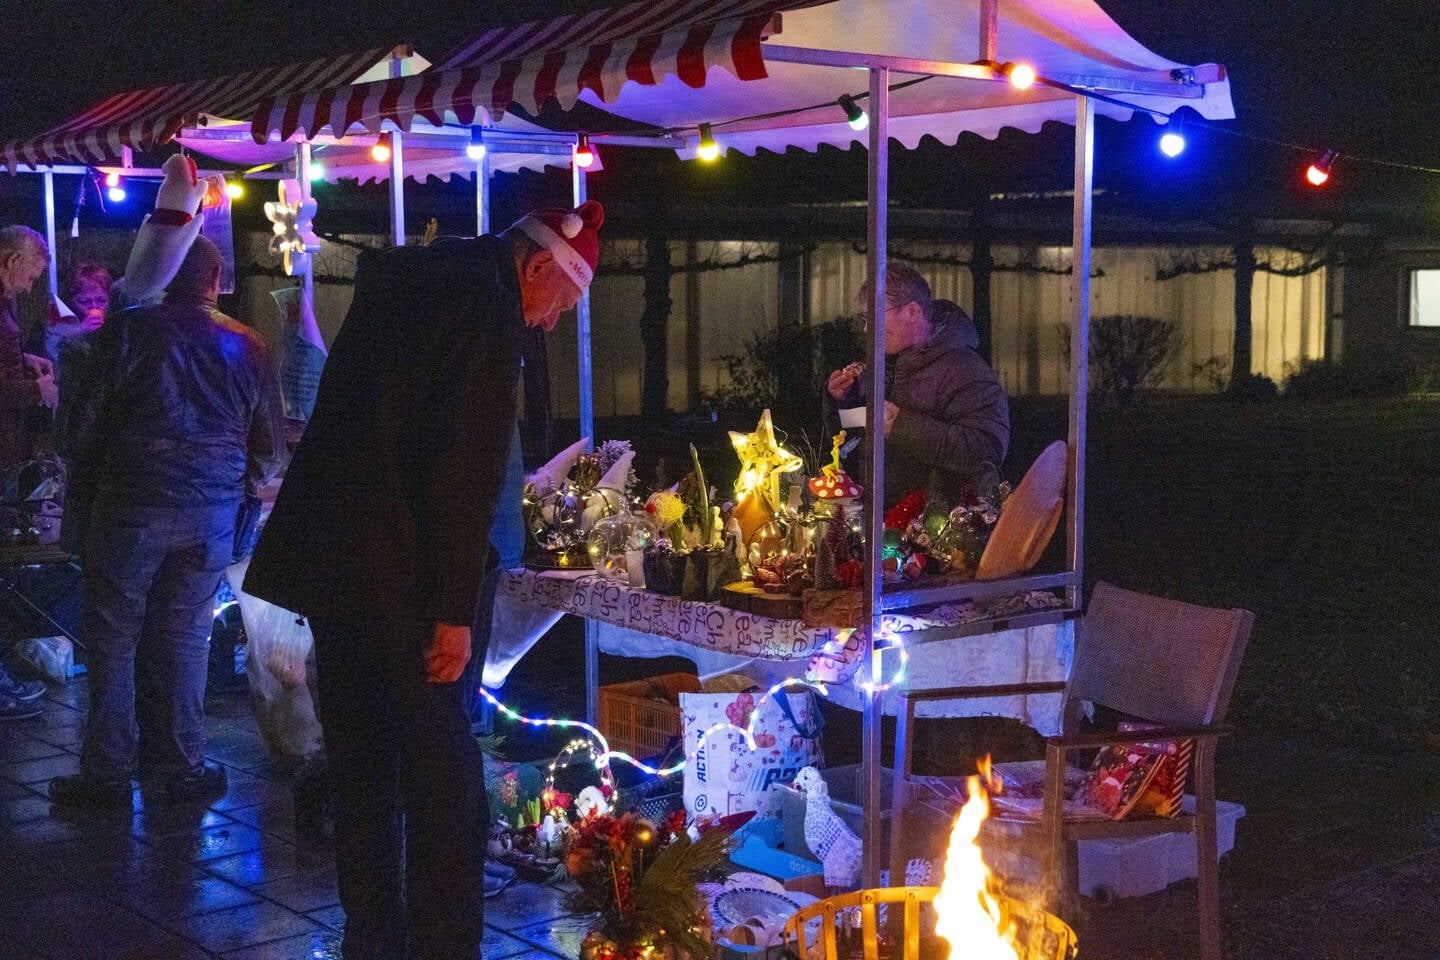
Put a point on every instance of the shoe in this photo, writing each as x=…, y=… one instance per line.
x=209, y=783
x=17, y=689
x=12, y=709
x=82, y=790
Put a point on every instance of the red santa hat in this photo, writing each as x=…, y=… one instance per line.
x=570, y=235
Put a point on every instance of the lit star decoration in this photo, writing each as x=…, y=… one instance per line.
x=762, y=461
x=292, y=217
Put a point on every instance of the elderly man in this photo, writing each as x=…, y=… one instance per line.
x=26, y=383
x=947, y=419
x=184, y=417
x=380, y=536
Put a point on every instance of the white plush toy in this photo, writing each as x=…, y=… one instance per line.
x=166, y=235
x=591, y=802
x=828, y=837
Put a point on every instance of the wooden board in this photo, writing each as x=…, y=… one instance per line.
x=744, y=595
x=831, y=608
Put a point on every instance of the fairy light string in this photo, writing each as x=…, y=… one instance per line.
x=833, y=648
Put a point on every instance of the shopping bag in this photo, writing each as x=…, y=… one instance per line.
x=724, y=775
x=279, y=668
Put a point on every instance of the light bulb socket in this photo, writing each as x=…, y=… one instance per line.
x=857, y=117
x=708, y=149
x=475, y=149
x=1319, y=171
x=1021, y=75
x=382, y=149
x=584, y=155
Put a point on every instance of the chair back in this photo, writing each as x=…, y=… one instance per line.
x=1028, y=521
x=1159, y=659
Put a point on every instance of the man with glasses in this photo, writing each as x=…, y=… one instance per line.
x=947, y=418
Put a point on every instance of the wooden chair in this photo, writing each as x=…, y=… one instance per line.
x=1163, y=661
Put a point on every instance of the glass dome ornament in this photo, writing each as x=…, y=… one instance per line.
x=613, y=538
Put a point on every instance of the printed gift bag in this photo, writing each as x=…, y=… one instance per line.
x=723, y=775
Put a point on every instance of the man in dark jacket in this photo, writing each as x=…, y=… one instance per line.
x=380, y=536
x=185, y=414
x=947, y=418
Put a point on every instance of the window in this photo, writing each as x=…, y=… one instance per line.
x=1425, y=298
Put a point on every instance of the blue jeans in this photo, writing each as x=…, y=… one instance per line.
x=154, y=569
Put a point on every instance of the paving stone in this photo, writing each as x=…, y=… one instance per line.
x=561, y=936
x=221, y=931
x=523, y=904
x=272, y=861
x=302, y=892
x=41, y=770
x=320, y=945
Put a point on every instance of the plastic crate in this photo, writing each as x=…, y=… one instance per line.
x=642, y=717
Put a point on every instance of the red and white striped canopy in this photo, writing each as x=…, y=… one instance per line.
x=641, y=42
x=144, y=119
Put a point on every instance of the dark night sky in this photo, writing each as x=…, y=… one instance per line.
x=1359, y=77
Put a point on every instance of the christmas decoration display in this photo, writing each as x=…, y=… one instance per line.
x=642, y=879
x=292, y=217
x=762, y=461
x=565, y=499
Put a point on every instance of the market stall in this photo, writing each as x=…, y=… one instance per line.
x=772, y=74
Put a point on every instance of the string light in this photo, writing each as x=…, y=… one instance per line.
x=857, y=118
x=1022, y=75
x=116, y=194
x=380, y=152
x=112, y=179
x=1172, y=141
x=584, y=156
x=708, y=149
x=1319, y=171
x=234, y=190
x=475, y=149
x=317, y=170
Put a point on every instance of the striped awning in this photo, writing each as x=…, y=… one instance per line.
x=641, y=42
x=144, y=119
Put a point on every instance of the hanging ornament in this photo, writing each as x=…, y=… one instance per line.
x=294, y=239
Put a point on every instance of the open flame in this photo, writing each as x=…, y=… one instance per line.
x=968, y=913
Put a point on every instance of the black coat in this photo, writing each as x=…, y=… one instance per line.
x=386, y=508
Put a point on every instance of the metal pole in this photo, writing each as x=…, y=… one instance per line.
x=397, y=188
x=587, y=429
x=582, y=328
x=877, y=225
x=1079, y=344
x=302, y=173
x=50, y=232
x=989, y=29
x=397, y=164
x=482, y=195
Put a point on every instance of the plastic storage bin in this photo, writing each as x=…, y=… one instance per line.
x=642, y=717
x=1135, y=866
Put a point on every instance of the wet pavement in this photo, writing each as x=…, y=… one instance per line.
x=1337, y=857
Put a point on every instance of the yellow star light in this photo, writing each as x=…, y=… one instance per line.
x=762, y=460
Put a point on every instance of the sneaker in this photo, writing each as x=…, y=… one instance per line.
x=12, y=709
x=22, y=690
x=82, y=790
x=209, y=783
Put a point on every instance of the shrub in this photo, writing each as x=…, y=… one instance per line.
x=785, y=370
x=1128, y=354
x=1330, y=379
x=1253, y=388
